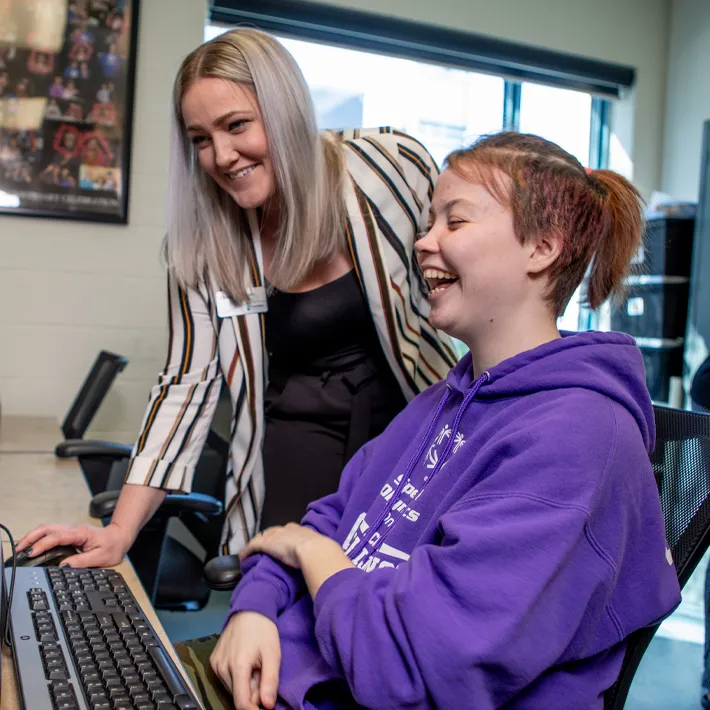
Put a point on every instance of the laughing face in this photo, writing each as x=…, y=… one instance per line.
x=224, y=123
x=476, y=268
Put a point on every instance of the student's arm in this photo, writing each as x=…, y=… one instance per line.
x=463, y=622
x=502, y=597
x=269, y=587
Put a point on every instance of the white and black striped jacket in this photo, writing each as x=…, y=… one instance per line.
x=388, y=193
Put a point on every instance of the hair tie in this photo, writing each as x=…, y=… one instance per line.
x=589, y=171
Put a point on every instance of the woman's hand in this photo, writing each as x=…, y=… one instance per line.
x=317, y=556
x=99, y=547
x=247, y=659
x=281, y=543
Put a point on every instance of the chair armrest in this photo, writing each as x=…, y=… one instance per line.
x=223, y=572
x=72, y=448
x=103, y=505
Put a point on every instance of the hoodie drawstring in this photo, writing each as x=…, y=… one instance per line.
x=418, y=454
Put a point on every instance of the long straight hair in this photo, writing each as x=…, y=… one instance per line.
x=208, y=234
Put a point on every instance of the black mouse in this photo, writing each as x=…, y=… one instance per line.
x=48, y=558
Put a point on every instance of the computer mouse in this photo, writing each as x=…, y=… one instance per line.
x=48, y=558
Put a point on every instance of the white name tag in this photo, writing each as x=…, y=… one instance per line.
x=256, y=303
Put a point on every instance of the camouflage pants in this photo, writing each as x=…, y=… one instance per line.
x=195, y=657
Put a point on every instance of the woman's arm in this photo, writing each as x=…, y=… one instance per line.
x=182, y=404
x=171, y=440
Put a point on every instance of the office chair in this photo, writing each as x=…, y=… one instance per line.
x=681, y=464
x=87, y=402
x=93, y=390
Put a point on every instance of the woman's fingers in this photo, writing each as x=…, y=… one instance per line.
x=35, y=535
x=269, y=681
x=57, y=535
x=241, y=686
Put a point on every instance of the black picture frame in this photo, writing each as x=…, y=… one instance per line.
x=66, y=116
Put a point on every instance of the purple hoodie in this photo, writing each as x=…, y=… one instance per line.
x=508, y=537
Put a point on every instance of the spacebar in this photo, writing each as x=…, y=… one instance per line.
x=172, y=678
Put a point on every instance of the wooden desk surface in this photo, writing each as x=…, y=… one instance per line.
x=25, y=434
x=39, y=488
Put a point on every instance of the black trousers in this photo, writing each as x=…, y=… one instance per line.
x=314, y=424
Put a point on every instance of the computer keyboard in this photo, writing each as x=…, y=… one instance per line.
x=81, y=642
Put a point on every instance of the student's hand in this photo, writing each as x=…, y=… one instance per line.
x=247, y=659
x=99, y=547
x=281, y=543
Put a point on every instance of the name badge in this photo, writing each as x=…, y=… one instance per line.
x=255, y=303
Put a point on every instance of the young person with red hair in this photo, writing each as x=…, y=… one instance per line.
x=498, y=543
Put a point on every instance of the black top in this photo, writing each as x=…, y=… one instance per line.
x=330, y=391
x=327, y=328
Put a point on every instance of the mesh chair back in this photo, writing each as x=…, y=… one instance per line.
x=92, y=393
x=681, y=464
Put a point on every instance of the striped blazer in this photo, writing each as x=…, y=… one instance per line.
x=387, y=194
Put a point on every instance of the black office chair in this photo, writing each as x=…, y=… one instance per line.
x=87, y=402
x=681, y=464
x=97, y=383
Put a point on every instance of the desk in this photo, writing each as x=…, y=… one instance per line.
x=29, y=434
x=38, y=488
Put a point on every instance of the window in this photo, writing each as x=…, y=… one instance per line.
x=560, y=115
x=442, y=106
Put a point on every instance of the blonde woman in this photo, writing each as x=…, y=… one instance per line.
x=293, y=280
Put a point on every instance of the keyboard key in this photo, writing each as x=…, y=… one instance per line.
x=155, y=687
x=149, y=675
x=131, y=679
x=93, y=687
x=121, y=620
x=184, y=702
x=107, y=673
x=90, y=675
x=137, y=691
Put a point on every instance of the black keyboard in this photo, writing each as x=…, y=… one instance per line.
x=81, y=642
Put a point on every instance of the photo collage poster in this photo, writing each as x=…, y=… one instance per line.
x=66, y=83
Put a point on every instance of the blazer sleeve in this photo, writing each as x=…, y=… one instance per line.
x=437, y=353
x=182, y=404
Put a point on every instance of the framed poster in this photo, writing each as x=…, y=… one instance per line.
x=67, y=73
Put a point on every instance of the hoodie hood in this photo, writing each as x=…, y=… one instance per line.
x=607, y=363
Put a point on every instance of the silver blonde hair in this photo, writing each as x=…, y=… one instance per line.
x=207, y=232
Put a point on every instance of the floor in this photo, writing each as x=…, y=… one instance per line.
x=181, y=626
x=668, y=677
